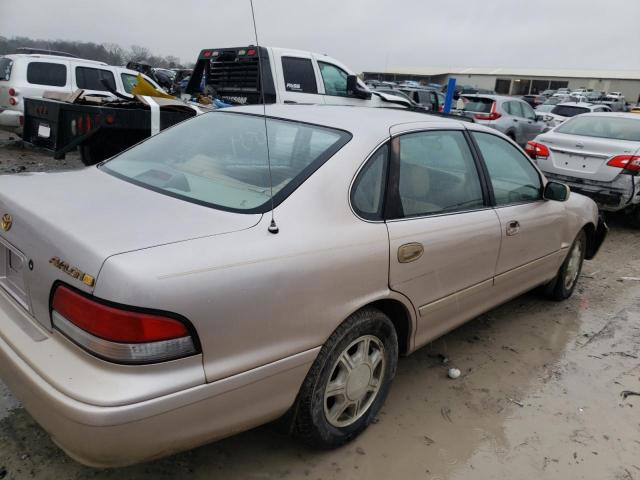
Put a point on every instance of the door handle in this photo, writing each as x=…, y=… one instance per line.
x=513, y=227
x=410, y=252
x=515, y=119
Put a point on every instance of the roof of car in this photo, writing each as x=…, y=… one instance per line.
x=15, y=56
x=491, y=96
x=350, y=118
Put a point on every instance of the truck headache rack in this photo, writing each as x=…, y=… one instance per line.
x=233, y=74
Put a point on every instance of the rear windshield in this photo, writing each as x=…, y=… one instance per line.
x=569, y=110
x=603, y=126
x=5, y=68
x=220, y=160
x=477, y=104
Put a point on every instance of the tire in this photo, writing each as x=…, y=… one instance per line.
x=512, y=136
x=562, y=286
x=634, y=217
x=318, y=421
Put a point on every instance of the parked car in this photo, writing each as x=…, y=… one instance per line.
x=634, y=109
x=548, y=93
x=616, y=103
x=534, y=100
x=563, y=91
x=428, y=98
x=30, y=75
x=398, y=93
x=195, y=304
x=597, y=154
x=511, y=116
x=562, y=111
x=555, y=99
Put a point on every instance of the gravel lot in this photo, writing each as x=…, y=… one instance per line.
x=539, y=396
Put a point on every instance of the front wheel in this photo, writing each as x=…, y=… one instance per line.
x=348, y=382
x=562, y=286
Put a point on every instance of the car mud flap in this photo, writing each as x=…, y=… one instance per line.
x=598, y=238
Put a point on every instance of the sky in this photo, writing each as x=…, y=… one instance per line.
x=373, y=35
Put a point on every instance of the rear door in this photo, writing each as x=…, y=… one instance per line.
x=444, y=238
x=532, y=127
x=299, y=79
x=532, y=229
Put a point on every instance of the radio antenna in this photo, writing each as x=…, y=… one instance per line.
x=273, y=227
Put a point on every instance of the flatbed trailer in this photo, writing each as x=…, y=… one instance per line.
x=98, y=131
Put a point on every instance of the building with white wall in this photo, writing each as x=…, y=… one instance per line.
x=522, y=81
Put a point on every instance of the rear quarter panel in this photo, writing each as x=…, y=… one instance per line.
x=255, y=297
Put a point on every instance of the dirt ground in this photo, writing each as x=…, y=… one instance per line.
x=539, y=397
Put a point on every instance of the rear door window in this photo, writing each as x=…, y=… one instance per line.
x=515, y=108
x=92, y=79
x=299, y=75
x=5, y=68
x=437, y=174
x=45, y=73
x=334, y=79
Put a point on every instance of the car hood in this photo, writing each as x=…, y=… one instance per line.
x=83, y=217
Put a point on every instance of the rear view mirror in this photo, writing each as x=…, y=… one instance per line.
x=355, y=90
x=556, y=191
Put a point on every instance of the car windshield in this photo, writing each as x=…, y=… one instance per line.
x=603, y=126
x=544, y=108
x=220, y=160
x=568, y=110
x=478, y=104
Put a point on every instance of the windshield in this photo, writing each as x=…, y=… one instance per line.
x=569, y=110
x=220, y=160
x=478, y=104
x=603, y=126
x=5, y=68
x=544, y=108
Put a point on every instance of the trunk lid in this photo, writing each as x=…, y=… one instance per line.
x=80, y=219
x=583, y=157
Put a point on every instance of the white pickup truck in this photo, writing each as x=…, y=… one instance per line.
x=289, y=76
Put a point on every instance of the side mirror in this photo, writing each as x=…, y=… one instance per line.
x=556, y=191
x=355, y=90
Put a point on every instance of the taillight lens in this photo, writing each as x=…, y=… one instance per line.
x=627, y=162
x=119, y=334
x=12, y=92
x=492, y=115
x=536, y=150
x=13, y=101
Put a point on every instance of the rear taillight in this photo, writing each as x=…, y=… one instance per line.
x=13, y=101
x=627, y=162
x=119, y=334
x=492, y=115
x=536, y=150
x=12, y=92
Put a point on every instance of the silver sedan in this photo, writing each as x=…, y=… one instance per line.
x=237, y=267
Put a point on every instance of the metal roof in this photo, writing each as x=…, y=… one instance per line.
x=518, y=72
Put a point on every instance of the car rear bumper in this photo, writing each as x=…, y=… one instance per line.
x=610, y=196
x=109, y=436
x=10, y=120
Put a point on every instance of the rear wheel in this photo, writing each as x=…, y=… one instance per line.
x=348, y=382
x=562, y=286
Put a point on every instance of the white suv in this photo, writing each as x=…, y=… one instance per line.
x=30, y=75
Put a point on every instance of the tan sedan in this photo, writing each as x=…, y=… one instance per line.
x=206, y=281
